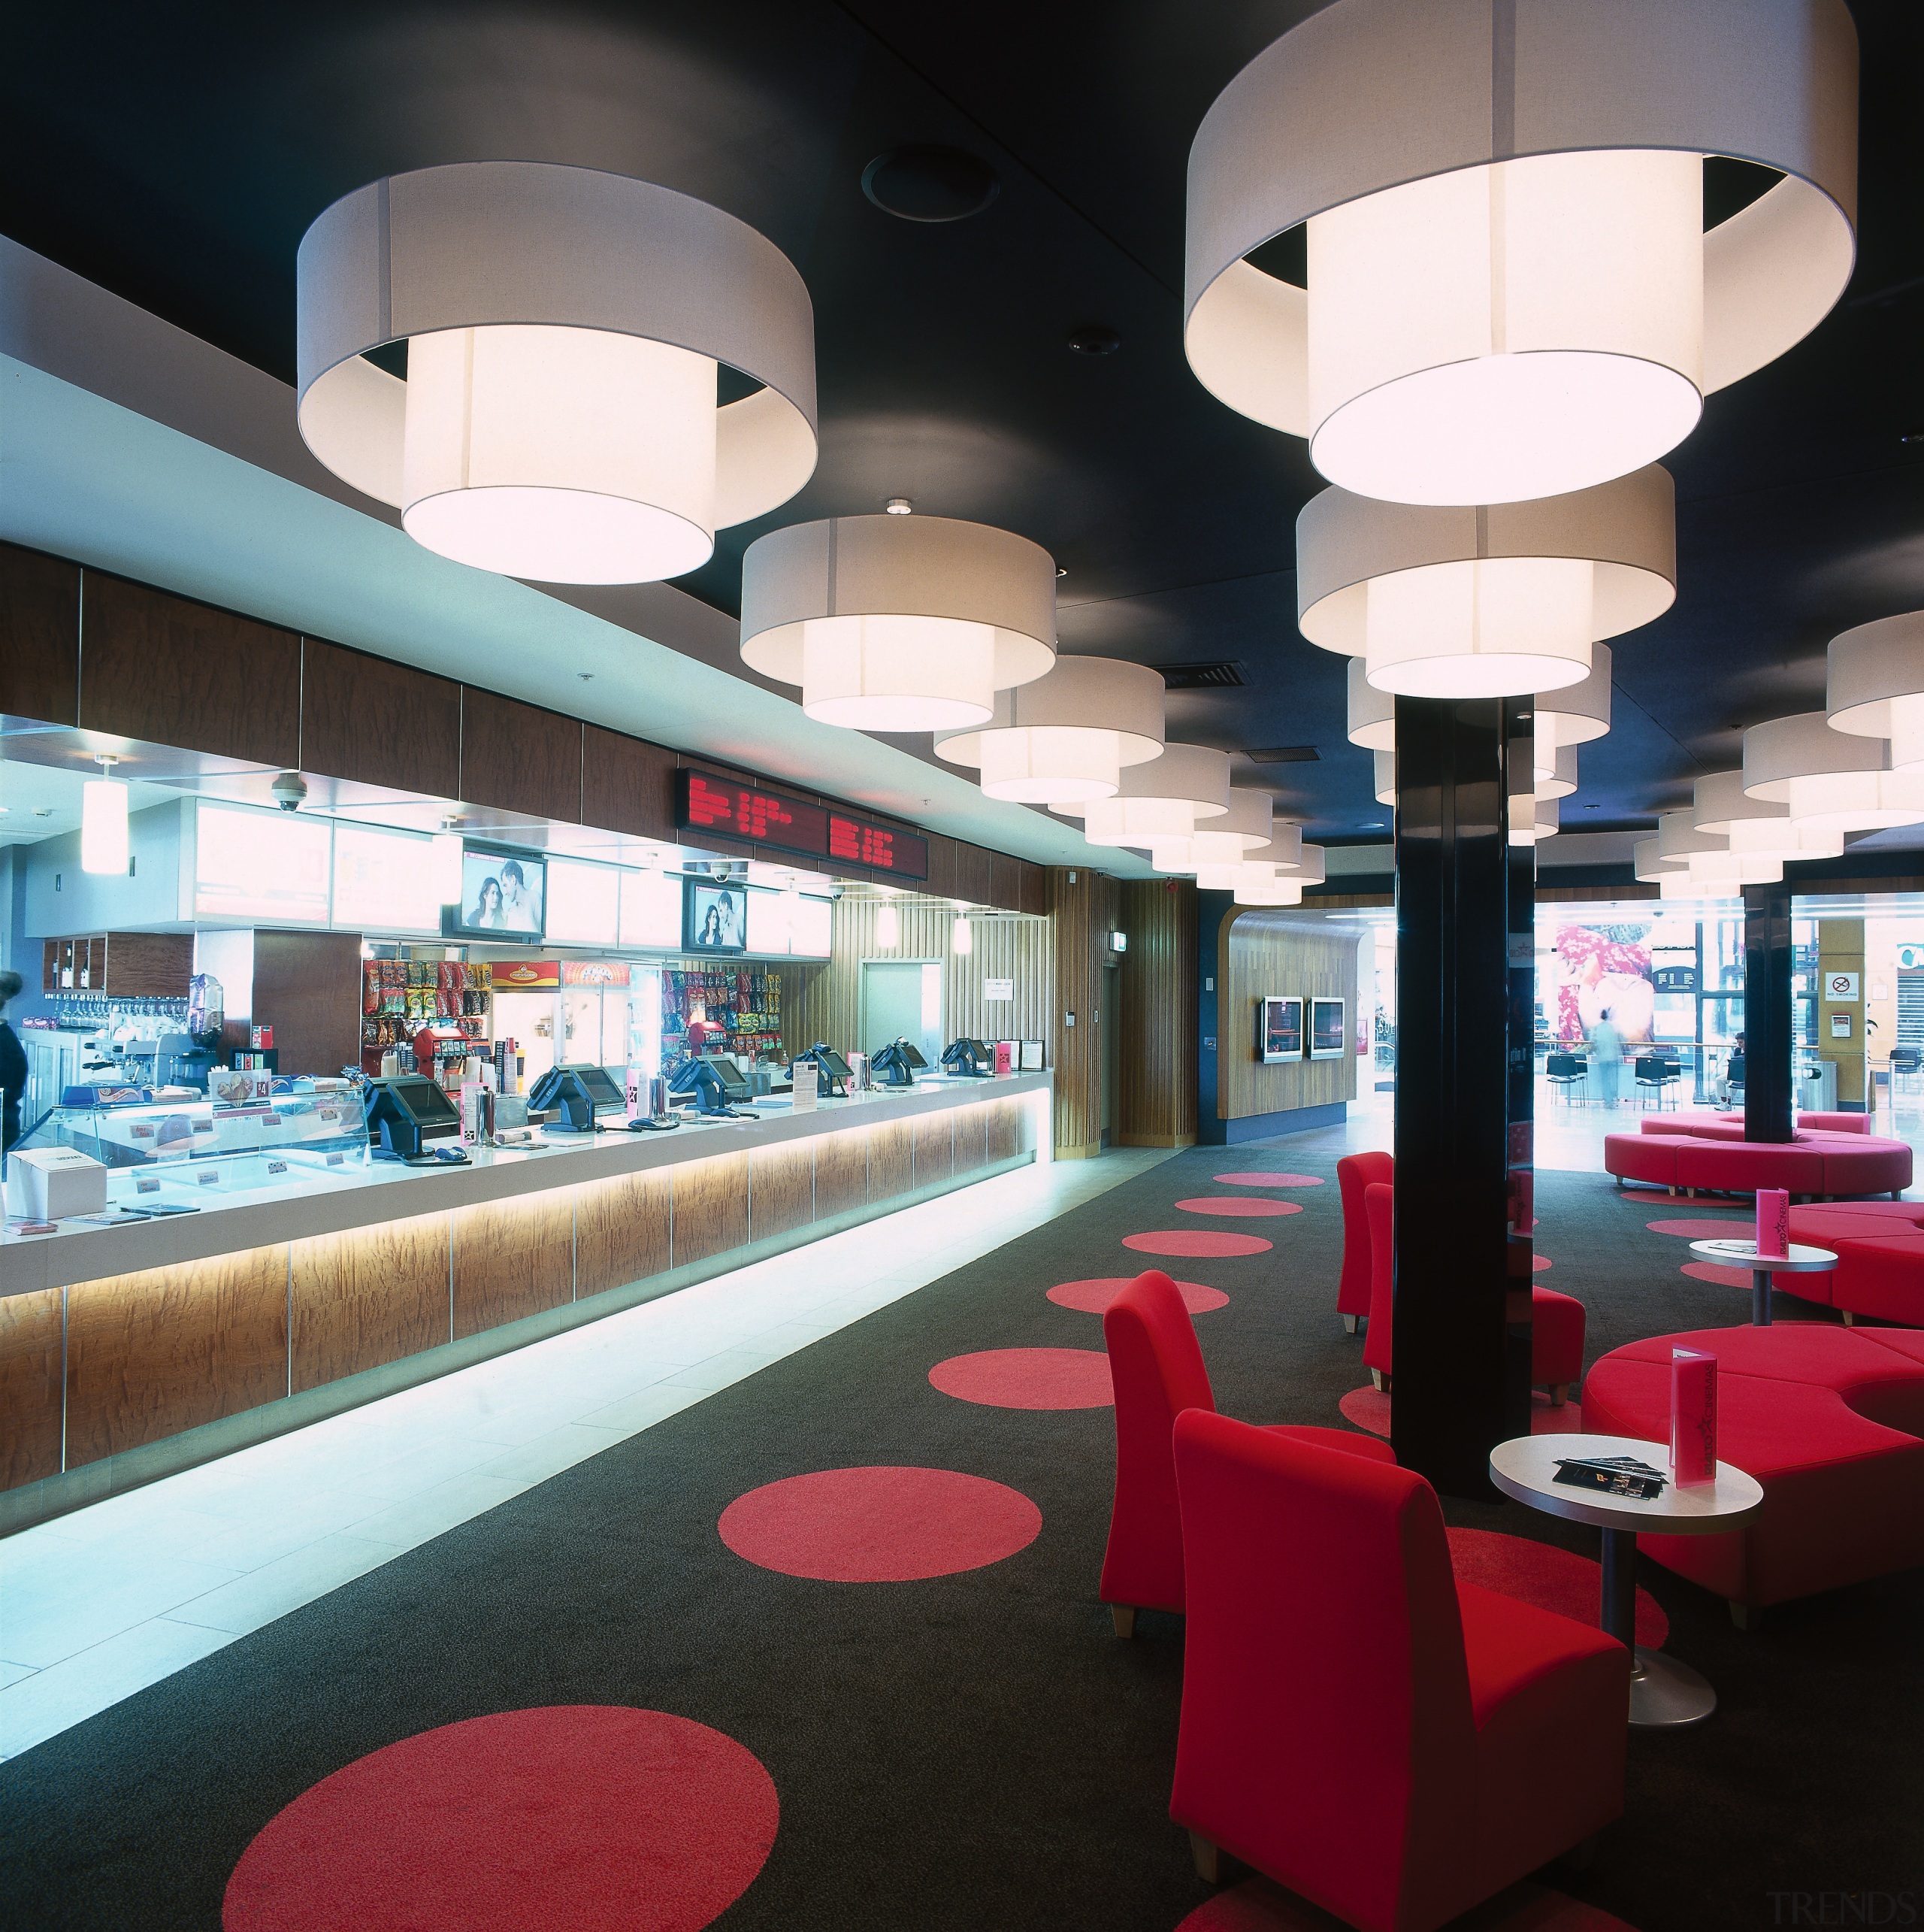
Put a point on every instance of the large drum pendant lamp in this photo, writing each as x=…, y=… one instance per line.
x=1283, y=854
x=1832, y=781
x=1577, y=713
x=1502, y=600
x=1165, y=798
x=1755, y=827
x=1372, y=713
x=1876, y=685
x=1245, y=828
x=1064, y=739
x=564, y=327
x=1280, y=888
x=1510, y=294
x=898, y=623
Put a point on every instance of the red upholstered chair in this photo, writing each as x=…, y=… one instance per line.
x=1392, y=1745
x=1557, y=1320
x=1156, y=1366
x=1354, y=1173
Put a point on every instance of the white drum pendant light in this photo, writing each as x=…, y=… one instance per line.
x=1282, y=854
x=1533, y=819
x=1372, y=713
x=1165, y=798
x=1832, y=781
x=1064, y=739
x=893, y=623
x=1281, y=888
x=104, y=835
x=1493, y=602
x=564, y=327
x=1245, y=828
x=1755, y=827
x=1386, y=778
x=1560, y=780
x=1578, y=712
x=1877, y=685
x=1510, y=294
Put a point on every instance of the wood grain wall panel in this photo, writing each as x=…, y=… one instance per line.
x=971, y=1137
x=841, y=1172
x=941, y=882
x=1080, y=903
x=934, y=1139
x=512, y=1258
x=891, y=1160
x=518, y=758
x=40, y=637
x=366, y=1297
x=711, y=1207
x=30, y=1377
x=153, y=1353
x=148, y=965
x=627, y=785
x=160, y=667
x=781, y=1189
x=1003, y=1132
x=621, y=1231
x=1033, y=890
x=308, y=987
x=1005, y=882
x=1262, y=951
x=974, y=868
x=1156, y=1062
x=374, y=722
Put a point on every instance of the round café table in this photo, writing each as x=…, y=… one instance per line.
x=1662, y=1692
x=1744, y=1255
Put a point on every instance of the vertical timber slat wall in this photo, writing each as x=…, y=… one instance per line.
x=1155, y=1091
x=1084, y=904
x=1258, y=952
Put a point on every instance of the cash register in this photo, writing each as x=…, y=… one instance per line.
x=970, y=1059
x=897, y=1064
x=406, y=1111
x=717, y=1084
x=829, y=1065
x=574, y=1095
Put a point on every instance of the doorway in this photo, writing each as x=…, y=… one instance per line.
x=901, y=1000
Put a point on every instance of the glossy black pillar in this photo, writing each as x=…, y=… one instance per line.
x=1768, y=1072
x=1519, y=1124
x=1450, y=1402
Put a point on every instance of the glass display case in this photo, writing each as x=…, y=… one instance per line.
x=166, y=1153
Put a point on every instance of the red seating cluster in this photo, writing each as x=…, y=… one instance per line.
x=1829, y=1155
x=1828, y=1421
x=1879, y=1250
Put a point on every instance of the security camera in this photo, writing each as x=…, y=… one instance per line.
x=290, y=791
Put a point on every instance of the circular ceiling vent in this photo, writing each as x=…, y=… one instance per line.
x=929, y=183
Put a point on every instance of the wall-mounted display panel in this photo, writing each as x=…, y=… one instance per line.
x=383, y=882
x=503, y=894
x=1328, y=1037
x=714, y=917
x=652, y=910
x=1279, y=1028
x=706, y=803
x=265, y=868
x=584, y=903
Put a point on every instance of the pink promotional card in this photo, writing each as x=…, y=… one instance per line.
x=1693, y=1417
x=1773, y=1221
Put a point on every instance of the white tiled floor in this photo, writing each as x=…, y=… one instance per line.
x=96, y=1605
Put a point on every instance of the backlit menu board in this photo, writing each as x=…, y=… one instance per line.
x=705, y=802
x=269, y=867
x=383, y=882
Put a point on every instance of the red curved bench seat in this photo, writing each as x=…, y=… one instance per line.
x=1709, y=1151
x=1879, y=1250
x=1828, y=1420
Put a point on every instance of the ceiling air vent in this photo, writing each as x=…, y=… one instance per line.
x=1284, y=754
x=1223, y=677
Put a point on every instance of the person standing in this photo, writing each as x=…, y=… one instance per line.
x=12, y=1067
x=1607, y=1057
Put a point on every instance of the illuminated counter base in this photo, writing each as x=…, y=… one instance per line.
x=109, y=1381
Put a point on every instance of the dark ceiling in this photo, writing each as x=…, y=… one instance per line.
x=175, y=156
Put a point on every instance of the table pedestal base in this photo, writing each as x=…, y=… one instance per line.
x=1664, y=1694
x=1760, y=1298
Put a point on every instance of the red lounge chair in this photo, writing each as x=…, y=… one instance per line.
x=1354, y=1173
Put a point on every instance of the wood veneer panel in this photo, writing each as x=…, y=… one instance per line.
x=971, y=1137
x=1002, y=1130
x=374, y=721
x=153, y=1353
x=1075, y=1052
x=29, y=1387
x=308, y=987
x=781, y=1189
x=934, y=1138
x=627, y=785
x=160, y=667
x=841, y=1172
x=367, y=1297
x=518, y=758
x=1157, y=1009
x=40, y=637
x=891, y=1160
x=149, y=965
x=1033, y=892
x=621, y=1231
x=1260, y=951
x=1005, y=882
x=973, y=874
x=941, y=881
x=711, y=1207
x=512, y=1258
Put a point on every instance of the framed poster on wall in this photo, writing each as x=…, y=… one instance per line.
x=1278, y=1029
x=1326, y=1036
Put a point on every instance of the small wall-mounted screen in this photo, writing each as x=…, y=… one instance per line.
x=503, y=895
x=1278, y=1029
x=714, y=917
x=1326, y=1035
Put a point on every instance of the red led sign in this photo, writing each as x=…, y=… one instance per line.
x=705, y=803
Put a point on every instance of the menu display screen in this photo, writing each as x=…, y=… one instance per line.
x=705, y=802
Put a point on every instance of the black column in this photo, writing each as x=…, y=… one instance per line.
x=1519, y=1149
x=1768, y=1108
x=1450, y=1392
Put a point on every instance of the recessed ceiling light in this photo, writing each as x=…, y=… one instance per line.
x=929, y=184
x=1095, y=341
x=898, y=505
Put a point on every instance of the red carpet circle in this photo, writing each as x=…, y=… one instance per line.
x=1368, y=1409
x=1269, y=1180
x=1028, y=1378
x=1539, y=1262
x=594, y=1817
x=880, y=1524
x=1258, y=1905
x=1195, y=1241
x=1730, y=1227
x=1551, y=1579
x=1723, y=1277
x=1246, y=1206
x=1093, y=1297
